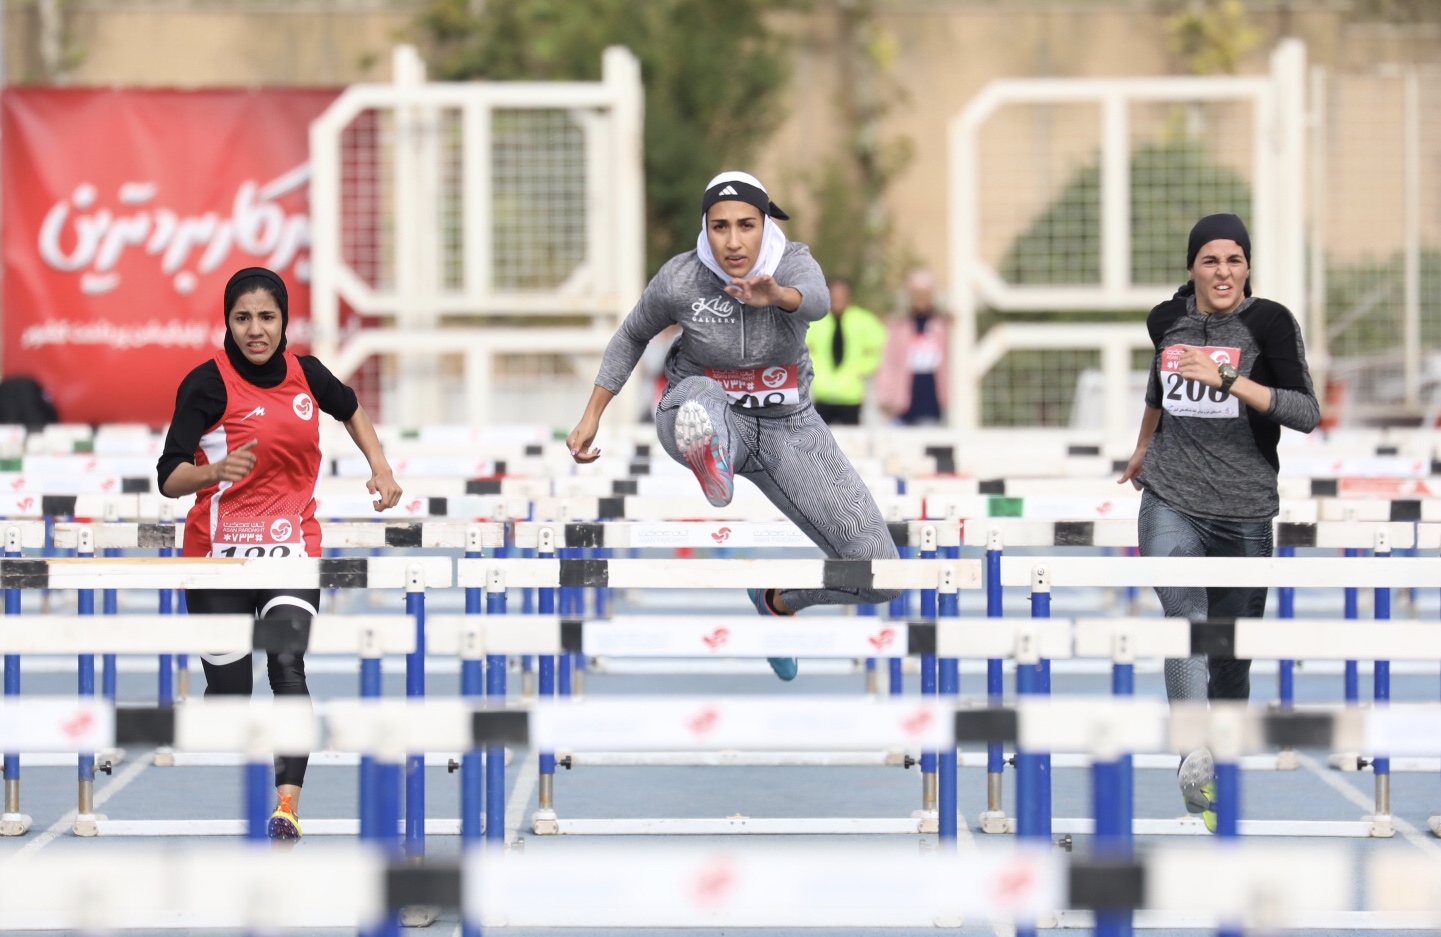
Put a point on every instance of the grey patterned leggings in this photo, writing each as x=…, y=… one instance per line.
x=1164, y=531
x=795, y=461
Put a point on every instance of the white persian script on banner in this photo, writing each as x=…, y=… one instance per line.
x=183, y=245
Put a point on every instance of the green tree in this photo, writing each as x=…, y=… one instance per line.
x=1172, y=184
x=848, y=227
x=712, y=74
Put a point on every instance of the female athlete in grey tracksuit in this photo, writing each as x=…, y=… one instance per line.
x=738, y=384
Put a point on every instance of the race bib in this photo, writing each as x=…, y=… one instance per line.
x=924, y=355
x=249, y=537
x=1181, y=397
x=754, y=388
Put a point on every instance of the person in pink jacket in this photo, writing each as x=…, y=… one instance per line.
x=913, y=384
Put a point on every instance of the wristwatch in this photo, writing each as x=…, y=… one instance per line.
x=1228, y=377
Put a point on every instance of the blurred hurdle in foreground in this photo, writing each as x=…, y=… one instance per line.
x=1267, y=887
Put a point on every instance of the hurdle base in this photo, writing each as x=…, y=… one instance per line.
x=1286, y=760
x=418, y=915
x=87, y=824
x=237, y=828
x=544, y=823
x=163, y=758
x=1383, y=826
x=952, y=923
x=14, y=824
x=929, y=820
x=996, y=821
x=1344, y=761
x=1434, y=825
x=710, y=826
x=1365, y=828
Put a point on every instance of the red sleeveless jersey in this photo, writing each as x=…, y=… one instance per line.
x=271, y=511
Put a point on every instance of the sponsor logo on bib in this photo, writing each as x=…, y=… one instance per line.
x=756, y=388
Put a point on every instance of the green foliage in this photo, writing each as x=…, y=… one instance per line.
x=1212, y=35
x=1172, y=185
x=712, y=74
x=1365, y=299
x=848, y=227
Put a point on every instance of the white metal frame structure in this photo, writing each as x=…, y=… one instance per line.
x=1277, y=225
x=426, y=315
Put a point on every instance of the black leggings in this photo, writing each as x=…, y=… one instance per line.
x=232, y=676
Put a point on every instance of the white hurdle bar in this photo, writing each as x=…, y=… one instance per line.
x=411, y=574
x=496, y=574
x=402, y=534
x=1256, y=887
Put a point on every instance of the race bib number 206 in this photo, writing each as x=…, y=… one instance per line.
x=1182, y=397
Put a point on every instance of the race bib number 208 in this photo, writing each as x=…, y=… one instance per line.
x=1181, y=397
x=754, y=388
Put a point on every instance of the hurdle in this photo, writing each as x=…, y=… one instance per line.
x=1101, y=724
x=1261, y=888
x=548, y=536
x=413, y=575
x=1044, y=572
x=932, y=575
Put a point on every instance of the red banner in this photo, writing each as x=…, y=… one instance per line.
x=124, y=214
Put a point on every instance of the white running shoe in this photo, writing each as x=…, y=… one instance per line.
x=699, y=445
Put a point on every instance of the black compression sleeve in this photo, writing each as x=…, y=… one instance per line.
x=199, y=405
x=330, y=394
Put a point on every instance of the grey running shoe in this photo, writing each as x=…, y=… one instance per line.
x=1198, y=770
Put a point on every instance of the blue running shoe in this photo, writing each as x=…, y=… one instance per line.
x=699, y=445
x=785, y=667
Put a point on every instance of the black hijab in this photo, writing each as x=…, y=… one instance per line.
x=242, y=282
x=1216, y=228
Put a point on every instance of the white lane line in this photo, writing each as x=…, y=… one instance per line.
x=65, y=823
x=1329, y=778
x=525, y=785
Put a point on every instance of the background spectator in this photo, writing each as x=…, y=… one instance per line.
x=914, y=379
x=846, y=349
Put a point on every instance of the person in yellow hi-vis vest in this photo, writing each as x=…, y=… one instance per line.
x=846, y=348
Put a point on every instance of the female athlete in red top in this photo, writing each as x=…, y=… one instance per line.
x=245, y=439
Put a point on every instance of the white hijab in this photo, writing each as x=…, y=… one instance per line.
x=773, y=240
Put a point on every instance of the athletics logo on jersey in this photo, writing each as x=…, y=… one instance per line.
x=258, y=411
x=774, y=377
x=304, y=407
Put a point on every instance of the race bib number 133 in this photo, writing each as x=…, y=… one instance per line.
x=1181, y=397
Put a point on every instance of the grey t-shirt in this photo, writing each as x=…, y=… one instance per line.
x=757, y=352
x=1212, y=456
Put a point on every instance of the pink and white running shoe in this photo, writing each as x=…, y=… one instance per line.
x=699, y=445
